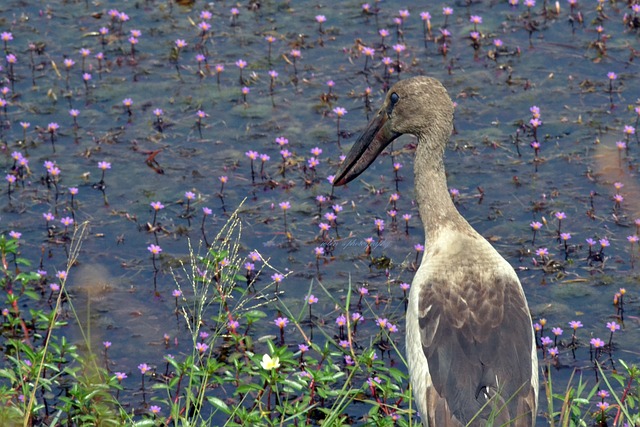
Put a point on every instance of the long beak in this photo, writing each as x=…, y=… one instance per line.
x=373, y=140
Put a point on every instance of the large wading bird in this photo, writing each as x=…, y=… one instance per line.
x=470, y=344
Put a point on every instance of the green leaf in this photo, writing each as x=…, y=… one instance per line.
x=631, y=403
x=294, y=384
x=374, y=410
x=254, y=315
x=33, y=295
x=246, y=388
x=218, y=403
x=621, y=379
x=23, y=261
x=337, y=375
x=397, y=374
x=27, y=277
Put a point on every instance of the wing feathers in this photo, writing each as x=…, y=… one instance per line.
x=476, y=335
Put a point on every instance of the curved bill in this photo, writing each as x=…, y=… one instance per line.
x=373, y=140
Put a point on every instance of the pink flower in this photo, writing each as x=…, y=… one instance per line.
x=201, y=347
x=542, y=252
x=367, y=51
x=613, y=326
x=281, y=322
x=339, y=111
x=154, y=249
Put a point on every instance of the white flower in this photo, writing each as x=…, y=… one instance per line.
x=268, y=363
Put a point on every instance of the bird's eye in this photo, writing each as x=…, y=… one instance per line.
x=393, y=100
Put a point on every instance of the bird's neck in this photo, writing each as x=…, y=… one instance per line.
x=437, y=211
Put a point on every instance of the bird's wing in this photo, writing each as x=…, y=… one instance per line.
x=476, y=336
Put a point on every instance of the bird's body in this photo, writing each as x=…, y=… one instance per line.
x=470, y=344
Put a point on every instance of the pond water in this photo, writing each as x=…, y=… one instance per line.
x=159, y=149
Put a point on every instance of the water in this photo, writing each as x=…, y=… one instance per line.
x=562, y=73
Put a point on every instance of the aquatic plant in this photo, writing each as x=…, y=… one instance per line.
x=130, y=54
x=339, y=112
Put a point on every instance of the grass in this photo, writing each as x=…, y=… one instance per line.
x=311, y=372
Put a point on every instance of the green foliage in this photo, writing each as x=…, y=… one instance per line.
x=246, y=379
x=579, y=401
x=234, y=376
x=46, y=377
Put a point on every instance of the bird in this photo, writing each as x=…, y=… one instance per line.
x=471, y=348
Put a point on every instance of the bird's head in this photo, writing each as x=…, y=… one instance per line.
x=418, y=106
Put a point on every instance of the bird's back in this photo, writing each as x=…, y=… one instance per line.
x=470, y=317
